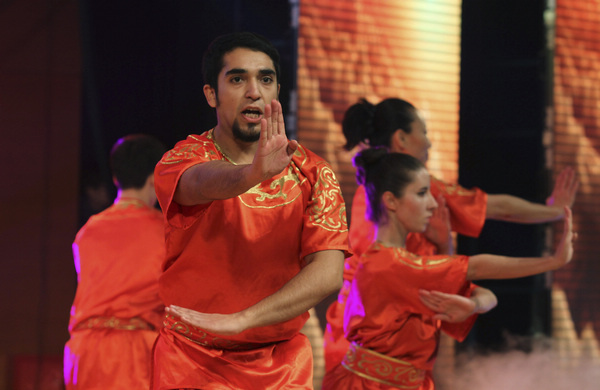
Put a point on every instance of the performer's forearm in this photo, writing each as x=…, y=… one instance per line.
x=510, y=208
x=213, y=180
x=321, y=277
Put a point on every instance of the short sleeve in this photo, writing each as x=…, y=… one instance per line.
x=460, y=330
x=192, y=151
x=324, y=223
x=467, y=207
x=402, y=274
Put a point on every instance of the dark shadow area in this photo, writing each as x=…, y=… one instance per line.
x=504, y=92
x=142, y=70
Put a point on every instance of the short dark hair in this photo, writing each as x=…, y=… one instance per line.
x=133, y=158
x=379, y=171
x=212, y=62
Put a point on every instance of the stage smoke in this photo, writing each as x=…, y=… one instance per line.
x=543, y=367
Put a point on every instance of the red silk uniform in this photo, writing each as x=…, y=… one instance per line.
x=117, y=312
x=227, y=255
x=467, y=215
x=394, y=338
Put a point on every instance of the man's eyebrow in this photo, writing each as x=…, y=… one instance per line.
x=262, y=72
x=236, y=71
x=267, y=71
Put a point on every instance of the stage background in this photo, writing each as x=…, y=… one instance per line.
x=76, y=76
x=576, y=142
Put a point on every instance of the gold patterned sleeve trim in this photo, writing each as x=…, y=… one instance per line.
x=203, y=338
x=328, y=209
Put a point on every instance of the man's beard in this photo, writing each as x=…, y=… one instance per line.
x=245, y=136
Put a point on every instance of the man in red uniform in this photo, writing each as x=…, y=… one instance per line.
x=117, y=312
x=256, y=235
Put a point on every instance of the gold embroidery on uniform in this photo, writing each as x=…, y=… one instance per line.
x=301, y=153
x=328, y=200
x=418, y=262
x=134, y=323
x=280, y=189
x=203, y=338
x=380, y=368
x=175, y=156
x=129, y=202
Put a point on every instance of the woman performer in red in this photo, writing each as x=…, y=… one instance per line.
x=398, y=302
x=396, y=125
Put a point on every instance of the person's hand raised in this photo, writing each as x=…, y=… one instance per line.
x=274, y=150
x=439, y=229
x=565, y=189
x=564, y=250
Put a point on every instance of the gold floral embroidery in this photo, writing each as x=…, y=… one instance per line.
x=203, y=338
x=418, y=262
x=328, y=201
x=383, y=369
x=285, y=189
x=327, y=210
x=192, y=150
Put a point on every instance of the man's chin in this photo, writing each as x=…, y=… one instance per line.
x=250, y=134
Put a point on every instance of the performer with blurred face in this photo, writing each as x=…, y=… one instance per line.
x=117, y=311
x=399, y=302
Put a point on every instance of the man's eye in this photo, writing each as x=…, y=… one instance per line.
x=267, y=80
x=236, y=79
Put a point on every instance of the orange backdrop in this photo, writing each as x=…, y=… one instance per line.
x=378, y=49
x=577, y=143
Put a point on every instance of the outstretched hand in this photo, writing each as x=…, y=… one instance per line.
x=438, y=230
x=219, y=324
x=449, y=307
x=564, y=250
x=565, y=189
x=274, y=150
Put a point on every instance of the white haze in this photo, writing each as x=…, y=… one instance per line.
x=542, y=368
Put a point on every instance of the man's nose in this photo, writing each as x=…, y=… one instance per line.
x=253, y=92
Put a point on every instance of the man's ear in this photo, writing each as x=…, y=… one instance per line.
x=211, y=95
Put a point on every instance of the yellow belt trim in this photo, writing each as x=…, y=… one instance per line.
x=201, y=337
x=383, y=369
x=114, y=323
